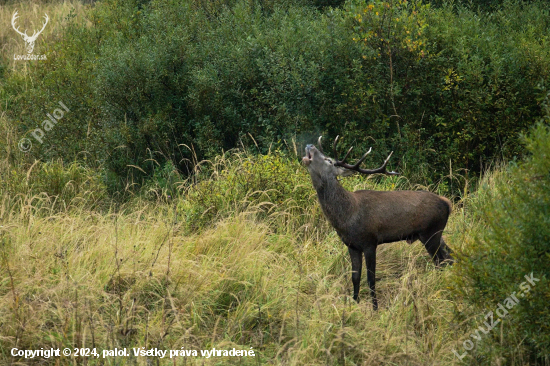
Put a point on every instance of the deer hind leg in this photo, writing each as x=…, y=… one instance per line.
x=435, y=245
x=446, y=253
x=370, y=259
x=356, y=264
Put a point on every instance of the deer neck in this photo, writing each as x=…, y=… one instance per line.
x=338, y=204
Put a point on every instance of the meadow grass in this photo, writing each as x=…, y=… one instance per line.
x=263, y=272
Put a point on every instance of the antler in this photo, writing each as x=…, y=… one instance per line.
x=355, y=166
x=319, y=144
x=13, y=19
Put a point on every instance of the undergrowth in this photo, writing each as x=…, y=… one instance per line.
x=240, y=256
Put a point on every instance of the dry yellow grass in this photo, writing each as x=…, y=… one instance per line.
x=138, y=278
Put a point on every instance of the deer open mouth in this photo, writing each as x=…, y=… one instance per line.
x=306, y=160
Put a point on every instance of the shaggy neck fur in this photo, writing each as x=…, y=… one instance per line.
x=337, y=203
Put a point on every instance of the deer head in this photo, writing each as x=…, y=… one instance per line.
x=29, y=40
x=322, y=167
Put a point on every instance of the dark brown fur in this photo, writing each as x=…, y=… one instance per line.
x=364, y=219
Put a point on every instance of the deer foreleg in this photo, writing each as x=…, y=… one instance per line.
x=370, y=260
x=356, y=264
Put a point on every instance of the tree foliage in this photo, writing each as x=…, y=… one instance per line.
x=179, y=81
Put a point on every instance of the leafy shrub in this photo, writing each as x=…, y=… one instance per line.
x=516, y=242
x=441, y=87
x=269, y=184
x=476, y=5
x=243, y=73
x=448, y=85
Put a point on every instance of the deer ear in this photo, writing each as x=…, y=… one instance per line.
x=342, y=172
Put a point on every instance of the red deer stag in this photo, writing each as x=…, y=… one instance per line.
x=364, y=219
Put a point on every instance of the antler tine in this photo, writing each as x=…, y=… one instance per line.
x=346, y=156
x=334, y=147
x=386, y=163
x=336, y=152
x=319, y=144
x=362, y=158
x=381, y=169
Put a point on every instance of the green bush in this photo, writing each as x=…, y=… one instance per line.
x=449, y=85
x=207, y=83
x=440, y=87
x=53, y=185
x=265, y=185
x=476, y=5
x=516, y=242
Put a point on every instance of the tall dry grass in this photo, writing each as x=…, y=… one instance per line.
x=265, y=273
